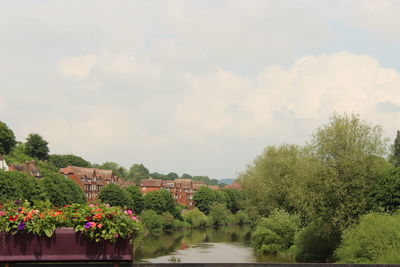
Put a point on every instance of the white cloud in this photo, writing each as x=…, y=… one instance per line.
x=77, y=66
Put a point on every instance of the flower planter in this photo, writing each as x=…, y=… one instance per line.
x=64, y=245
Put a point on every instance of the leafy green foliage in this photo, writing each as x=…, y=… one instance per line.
x=196, y=218
x=138, y=172
x=276, y=232
x=152, y=220
x=114, y=195
x=20, y=186
x=116, y=169
x=61, y=190
x=234, y=199
x=204, y=198
x=37, y=147
x=385, y=195
x=160, y=201
x=186, y=176
x=396, y=150
x=137, y=198
x=172, y=176
x=316, y=243
x=7, y=139
x=62, y=161
x=242, y=217
x=376, y=239
x=220, y=215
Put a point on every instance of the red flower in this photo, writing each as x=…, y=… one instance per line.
x=13, y=218
x=88, y=218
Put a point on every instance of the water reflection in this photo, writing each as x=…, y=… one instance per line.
x=225, y=244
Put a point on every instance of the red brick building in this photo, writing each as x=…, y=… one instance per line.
x=182, y=190
x=91, y=180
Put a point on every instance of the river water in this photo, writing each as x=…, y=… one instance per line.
x=228, y=244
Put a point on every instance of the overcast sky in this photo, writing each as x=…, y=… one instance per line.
x=194, y=86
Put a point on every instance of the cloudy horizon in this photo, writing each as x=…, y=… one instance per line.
x=198, y=87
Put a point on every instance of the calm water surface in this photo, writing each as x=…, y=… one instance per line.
x=229, y=244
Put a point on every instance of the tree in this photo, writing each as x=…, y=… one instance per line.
x=157, y=175
x=172, y=176
x=62, y=161
x=396, y=150
x=116, y=169
x=7, y=139
x=61, y=191
x=137, y=198
x=385, y=194
x=113, y=195
x=19, y=186
x=186, y=176
x=37, y=147
x=204, y=198
x=138, y=172
x=234, y=199
x=160, y=201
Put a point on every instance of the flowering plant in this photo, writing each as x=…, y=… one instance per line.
x=97, y=221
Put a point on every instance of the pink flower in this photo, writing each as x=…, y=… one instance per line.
x=134, y=218
x=91, y=205
x=2, y=213
x=116, y=235
x=129, y=212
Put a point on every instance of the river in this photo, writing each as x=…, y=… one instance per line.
x=228, y=244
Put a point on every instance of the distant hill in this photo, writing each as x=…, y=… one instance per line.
x=227, y=180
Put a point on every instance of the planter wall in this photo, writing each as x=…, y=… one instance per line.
x=64, y=245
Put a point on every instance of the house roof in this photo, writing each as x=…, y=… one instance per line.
x=27, y=167
x=151, y=183
x=234, y=185
x=198, y=182
x=197, y=186
x=124, y=183
x=214, y=187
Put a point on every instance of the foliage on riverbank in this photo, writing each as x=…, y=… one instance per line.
x=342, y=173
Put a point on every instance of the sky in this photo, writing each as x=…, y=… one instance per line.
x=198, y=87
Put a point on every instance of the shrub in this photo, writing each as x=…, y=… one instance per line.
x=168, y=221
x=376, y=239
x=219, y=214
x=195, y=218
x=152, y=220
x=242, y=217
x=275, y=233
x=315, y=243
x=115, y=196
x=20, y=186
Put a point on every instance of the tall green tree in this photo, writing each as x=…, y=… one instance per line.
x=172, y=176
x=204, y=199
x=396, y=150
x=137, y=198
x=37, y=147
x=114, y=195
x=160, y=201
x=138, y=172
x=186, y=176
x=7, y=139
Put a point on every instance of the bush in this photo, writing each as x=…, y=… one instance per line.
x=315, y=243
x=152, y=220
x=115, y=196
x=62, y=191
x=168, y=221
x=242, y=217
x=20, y=186
x=219, y=214
x=195, y=218
x=376, y=239
x=275, y=233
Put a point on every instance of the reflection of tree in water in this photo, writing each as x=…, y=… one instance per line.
x=166, y=243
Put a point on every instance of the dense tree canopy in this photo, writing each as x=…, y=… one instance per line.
x=37, y=147
x=115, y=196
x=62, y=161
x=160, y=201
x=115, y=167
x=204, y=198
x=7, y=139
x=138, y=172
x=137, y=198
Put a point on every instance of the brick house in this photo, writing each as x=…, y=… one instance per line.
x=91, y=180
x=234, y=185
x=182, y=190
